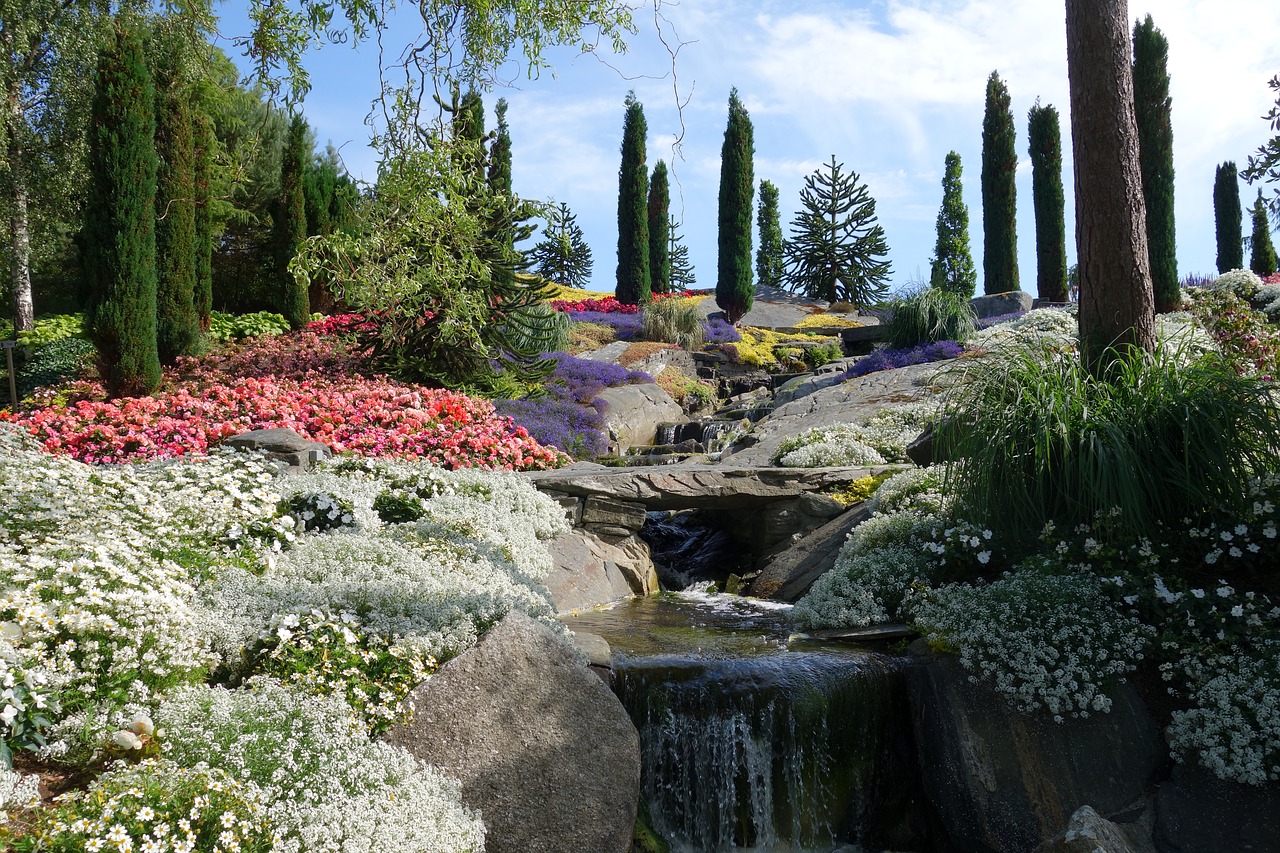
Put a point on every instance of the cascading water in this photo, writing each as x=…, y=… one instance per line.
x=751, y=742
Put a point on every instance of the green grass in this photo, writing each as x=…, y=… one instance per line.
x=928, y=316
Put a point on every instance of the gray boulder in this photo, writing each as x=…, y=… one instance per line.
x=996, y=304
x=787, y=575
x=633, y=412
x=589, y=571
x=283, y=444
x=1089, y=832
x=541, y=746
x=1198, y=813
x=1003, y=782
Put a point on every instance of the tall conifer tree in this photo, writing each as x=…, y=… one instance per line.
x=206, y=143
x=1262, y=255
x=563, y=255
x=177, y=324
x=682, y=277
x=659, y=222
x=769, y=258
x=999, y=192
x=120, y=216
x=1044, y=145
x=1228, y=216
x=291, y=223
x=634, y=283
x=500, y=184
x=952, y=268
x=734, y=288
x=1152, y=108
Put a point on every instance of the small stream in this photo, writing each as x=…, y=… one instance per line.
x=752, y=740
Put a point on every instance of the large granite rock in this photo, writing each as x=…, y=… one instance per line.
x=1090, y=832
x=589, y=570
x=995, y=304
x=1199, y=813
x=787, y=575
x=1003, y=782
x=633, y=412
x=845, y=402
x=282, y=444
x=541, y=746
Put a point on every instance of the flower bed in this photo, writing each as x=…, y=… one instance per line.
x=888, y=359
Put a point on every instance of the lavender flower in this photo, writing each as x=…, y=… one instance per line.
x=717, y=331
x=888, y=359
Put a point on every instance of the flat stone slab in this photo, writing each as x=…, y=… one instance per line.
x=873, y=634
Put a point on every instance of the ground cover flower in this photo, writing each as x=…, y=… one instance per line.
x=888, y=359
x=881, y=438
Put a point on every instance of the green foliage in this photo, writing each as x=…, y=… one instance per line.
x=1164, y=436
x=206, y=144
x=823, y=353
x=51, y=328
x=397, y=507
x=1152, y=109
x=999, y=192
x=1045, y=148
x=563, y=255
x=682, y=277
x=53, y=363
x=119, y=235
x=420, y=259
x=674, y=321
x=291, y=223
x=262, y=324
x=1262, y=253
x=952, y=267
x=1227, y=216
x=177, y=323
x=734, y=290
x=769, y=258
x=928, y=316
x=1264, y=165
x=500, y=185
x=659, y=236
x=634, y=282
x=837, y=249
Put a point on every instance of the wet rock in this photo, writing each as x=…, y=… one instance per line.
x=633, y=413
x=787, y=575
x=1198, y=813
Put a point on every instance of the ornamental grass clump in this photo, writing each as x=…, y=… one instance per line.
x=929, y=316
x=1166, y=436
x=674, y=321
x=1046, y=643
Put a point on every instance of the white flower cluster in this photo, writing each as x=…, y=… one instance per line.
x=1043, y=328
x=17, y=792
x=1267, y=300
x=1234, y=727
x=914, y=488
x=327, y=787
x=1243, y=283
x=1048, y=642
x=882, y=438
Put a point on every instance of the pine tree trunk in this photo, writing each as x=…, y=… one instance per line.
x=24, y=316
x=1116, y=300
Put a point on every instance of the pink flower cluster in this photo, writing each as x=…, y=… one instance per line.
x=371, y=417
x=610, y=304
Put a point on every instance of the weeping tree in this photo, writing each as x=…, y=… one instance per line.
x=119, y=235
x=1228, y=214
x=999, y=192
x=1153, y=112
x=769, y=260
x=952, y=267
x=1262, y=253
x=734, y=288
x=659, y=222
x=1045, y=149
x=837, y=250
x=634, y=282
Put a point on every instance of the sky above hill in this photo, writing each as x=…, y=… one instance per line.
x=887, y=86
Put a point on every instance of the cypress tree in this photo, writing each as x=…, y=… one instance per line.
x=952, y=267
x=120, y=215
x=769, y=260
x=1152, y=110
x=682, y=277
x=177, y=324
x=734, y=288
x=999, y=192
x=291, y=223
x=659, y=222
x=634, y=283
x=206, y=144
x=1228, y=215
x=1045, y=147
x=1262, y=258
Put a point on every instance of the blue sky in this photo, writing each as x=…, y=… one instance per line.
x=888, y=87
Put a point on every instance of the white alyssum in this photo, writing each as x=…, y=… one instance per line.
x=1044, y=642
x=882, y=437
x=17, y=792
x=328, y=788
x=1243, y=283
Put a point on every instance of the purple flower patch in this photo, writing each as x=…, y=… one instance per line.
x=625, y=326
x=988, y=322
x=717, y=331
x=888, y=359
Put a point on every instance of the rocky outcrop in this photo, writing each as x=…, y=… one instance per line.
x=995, y=304
x=1090, y=832
x=589, y=570
x=541, y=746
x=282, y=444
x=1004, y=782
x=633, y=412
x=786, y=576
x=1199, y=813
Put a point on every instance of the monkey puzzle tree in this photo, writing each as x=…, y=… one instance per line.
x=682, y=277
x=562, y=256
